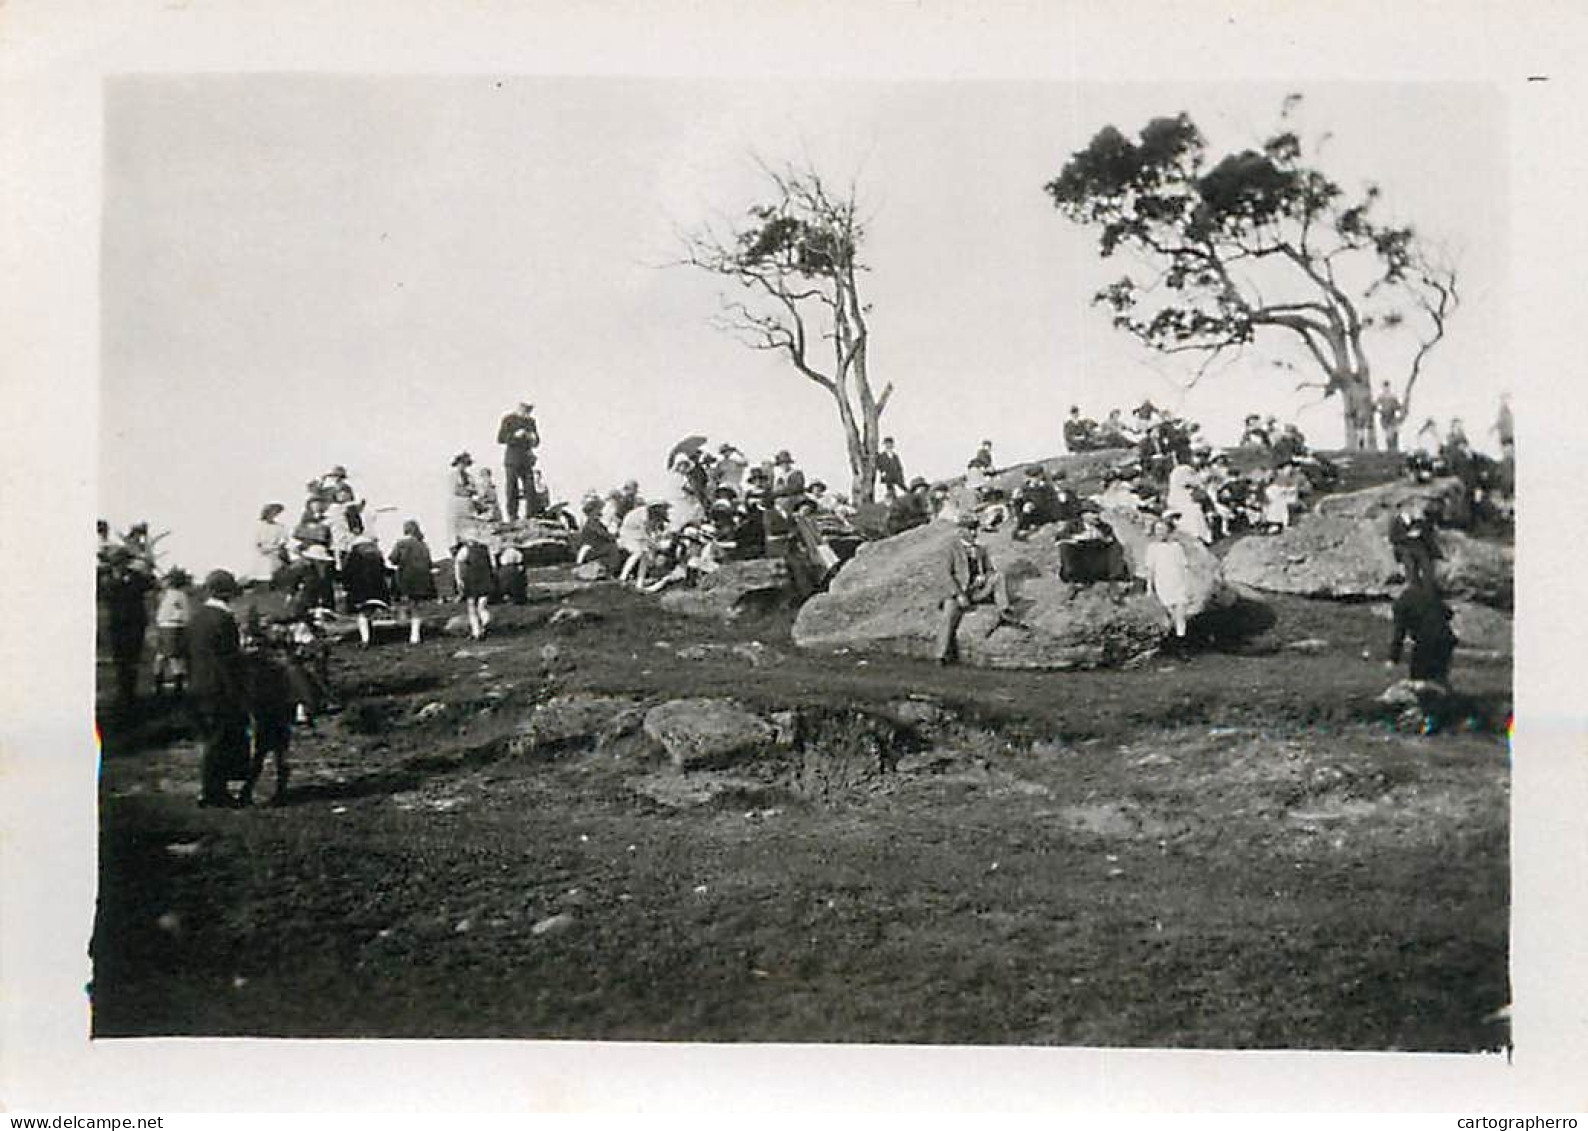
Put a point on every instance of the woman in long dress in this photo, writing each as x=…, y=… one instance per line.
x=460, y=498
x=270, y=543
x=1169, y=575
x=1184, y=486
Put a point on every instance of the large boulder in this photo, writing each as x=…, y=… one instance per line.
x=735, y=588
x=707, y=733
x=1323, y=555
x=1380, y=502
x=888, y=599
x=1318, y=556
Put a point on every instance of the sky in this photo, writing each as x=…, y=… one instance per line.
x=299, y=271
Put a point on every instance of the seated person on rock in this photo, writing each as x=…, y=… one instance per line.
x=1089, y=553
x=1080, y=432
x=1035, y=502
x=1414, y=543
x=974, y=581
x=911, y=509
x=992, y=508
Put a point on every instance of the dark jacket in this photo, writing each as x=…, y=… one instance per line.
x=364, y=576
x=1422, y=614
x=890, y=469
x=415, y=570
x=215, y=666
x=519, y=450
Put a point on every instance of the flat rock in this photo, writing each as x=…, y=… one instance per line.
x=574, y=719
x=1380, y=502
x=736, y=587
x=706, y=733
x=887, y=599
x=589, y=571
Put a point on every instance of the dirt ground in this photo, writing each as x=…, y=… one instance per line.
x=1237, y=850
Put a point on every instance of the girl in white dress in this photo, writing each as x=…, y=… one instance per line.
x=1184, y=484
x=1169, y=575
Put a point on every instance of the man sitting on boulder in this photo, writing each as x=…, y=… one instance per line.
x=1412, y=539
x=1035, y=502
x=975, y=582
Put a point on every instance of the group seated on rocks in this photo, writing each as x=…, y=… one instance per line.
x=716, y=507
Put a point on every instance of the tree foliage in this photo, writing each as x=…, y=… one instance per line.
x=1254, y=241
x=795, y=262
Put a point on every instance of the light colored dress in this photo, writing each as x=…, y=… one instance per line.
x=270, y=544
x=1169, y=574
x=683, y=508
x=1182, y=482
x=460, y=504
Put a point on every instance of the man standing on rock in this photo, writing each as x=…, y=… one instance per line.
x=519, y=438
x=890, y=469
x=1390, y=415
x=975, y=582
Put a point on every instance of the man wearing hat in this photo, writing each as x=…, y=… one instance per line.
x=219, y=692
x=975, y=582
x=519, y=437
x=787, y=479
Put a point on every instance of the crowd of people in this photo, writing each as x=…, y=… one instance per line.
x=249, y=681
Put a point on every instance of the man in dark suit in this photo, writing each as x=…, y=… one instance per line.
x=519, y=437
x=219, y=691
x=975, y=582
x=890, y=469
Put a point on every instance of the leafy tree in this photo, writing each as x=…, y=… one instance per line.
x=796, y=262
x=1260, y=241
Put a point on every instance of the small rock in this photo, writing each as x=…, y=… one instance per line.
x=553, y=925
x=432, y=710
x=464, y=926
x=568, y=615
x=457, y=625
x=170, y=923
x=238, y=981
x=700, y=889
x=590, y=571
x=190, y=848
x=1311, y=646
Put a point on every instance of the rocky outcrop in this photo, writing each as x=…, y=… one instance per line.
x=734, y=589
x=1324, y=555
x=1379, y=503
x=887, y=599
x=707, y=733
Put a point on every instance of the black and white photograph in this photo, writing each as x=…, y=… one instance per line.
x=700, y=557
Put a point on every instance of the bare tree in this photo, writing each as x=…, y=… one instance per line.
x=1261, y=241
x=795, y=261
